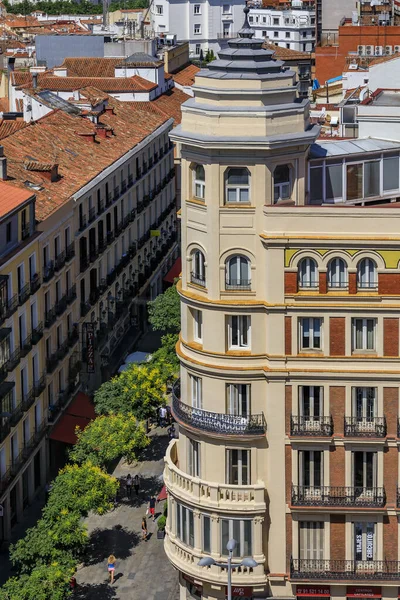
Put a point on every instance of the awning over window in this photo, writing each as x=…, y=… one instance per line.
x=79, y=414
x=174, y=271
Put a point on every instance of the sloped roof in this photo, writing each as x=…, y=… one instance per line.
x=9, y=127
x=90, y=67
x=11, y=197
x=186, y=76
x=286, y=53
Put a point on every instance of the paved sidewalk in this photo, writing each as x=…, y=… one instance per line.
x=142, y=570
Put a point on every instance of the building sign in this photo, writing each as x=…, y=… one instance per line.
x=155, y=233
x=363, y=592
x=197, y=586
x=240, y=591
x=313, y=590
x=90, y=347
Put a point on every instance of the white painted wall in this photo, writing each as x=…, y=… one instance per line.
x=385, y=75
x=294, y=29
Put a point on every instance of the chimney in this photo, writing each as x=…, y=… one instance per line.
x=3, y=165
x=34, y=80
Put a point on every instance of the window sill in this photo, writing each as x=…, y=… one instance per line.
x=196, y=345
x=310, y=352
x=197, y=201
x=197, y=287
x=238, y=352
x=364, y=353
x=238, y=205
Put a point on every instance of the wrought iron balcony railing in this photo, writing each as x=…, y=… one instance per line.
x=373, y=497
x=39, y=385
x=24, y=293
x=70, y=251
x=213, y=422
x=198, y=279
x=37, y=333
x=385, y=570
x=59, y=261
x=369, y=427
x=35, y=283
x=238, y=284
x=311, y=426
x=48, y=271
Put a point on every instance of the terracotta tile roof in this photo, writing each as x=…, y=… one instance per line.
x=286, y=53
x=94, y=95
x=34, y=165
x=4, y=106
x=19, y=105
x=105, y=84
x=186, y=75
x=11, y=197
x=90, y=67
x=168, y=104
x=383, y=59
x=71, y=142
x=9, y=127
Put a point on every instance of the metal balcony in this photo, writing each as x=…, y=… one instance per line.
x=238, y=284
x=39, y=386
x=71, y=294
x=26, y=345
x=364, y=570
x=84, y=263
x=24, y=293
x=338, y=496
x=37, y=333
x=51, y=363
x=34, y=284
x=311, y=426
x=85, y=307
x=116, y=192
x=14, y=359
x=16, y=414
x=82, y=223
x=28, y=400
x=61, y=305
x=48, y=271
x=198, y=279
x=371, y=427
x=5, y=429
x=59, y=261
x=49, y=317
x=100, y=207
x=70, y=251
x=92, y=214
x=220, y=423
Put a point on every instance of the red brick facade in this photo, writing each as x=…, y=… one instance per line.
x=323, y=283
x=288, y=408
x=390, y=409
x=352, y=283
x=389, y=283
x=337, y=396
x=290, y=282
x=391, y=337
x=338, y=535
x=337, y=336
x=337, y=468
x=288, y=335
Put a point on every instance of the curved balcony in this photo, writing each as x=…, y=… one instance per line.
x=206, y=494
x=216, y=423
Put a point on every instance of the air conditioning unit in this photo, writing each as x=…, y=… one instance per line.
x=361, y=50
x=388, y=50
x=396, y=49
x=369, y=50
x=378, y=50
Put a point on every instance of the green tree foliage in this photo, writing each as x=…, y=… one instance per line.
x=165, y=357
x=81, y=488
x=64, y=7
x=108, y=437
x=138, y=391
x=165, y=311
x=45, y=582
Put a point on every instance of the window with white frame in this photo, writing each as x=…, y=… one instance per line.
x=311, y=402
x=238, y=273
x=275, y=21
x=363, y=334
x=282, y=183
x=206, y=533
x=197, y=325
x=199, y=182
x=337, y=273
x=364, y=404
x=364, y=466
x=364, y=547
x=308, y=273
x=238, y=399
x=159, y=9
x=196, y=9
x=198, y=49
x=197, y=29
x=198, y=274
x=238, y=466
x=366, y=274
x=239, y=331
x=310, y=468
x=310, y=333
x=184, y=525
x=239, y=530
x=196, y=391
x=193, y=458
x=311, y=540
x=237, y=185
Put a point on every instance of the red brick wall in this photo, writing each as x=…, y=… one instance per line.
x=290, y=283
x=352, y=283
x=288, y=473
x=390, y=337
x=323, y=283
x=337, y=465
x=337, y=336
x=389, y=283
x=288, y=407
x=289, y=551
x=337, y=397
x=391, y=409
x=390, y=538
x=390, y=459
x=288, y=335
x=338, y=536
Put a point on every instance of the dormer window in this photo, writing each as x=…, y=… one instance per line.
x=237, y=186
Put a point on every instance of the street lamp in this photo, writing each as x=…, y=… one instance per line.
x=207, y=561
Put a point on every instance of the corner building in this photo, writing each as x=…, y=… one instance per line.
x=288, y=398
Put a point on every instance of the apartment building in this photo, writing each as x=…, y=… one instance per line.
x=288, y=401
x=102, y=192
x=293, y=28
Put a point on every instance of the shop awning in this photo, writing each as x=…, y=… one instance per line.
x=79, y=414
x=174, y=271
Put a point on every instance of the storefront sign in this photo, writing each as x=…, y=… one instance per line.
x=90, y=347
x=363, y=592
x=240, y=591
x=313, y=590
x=192, y=582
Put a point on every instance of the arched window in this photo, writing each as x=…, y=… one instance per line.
x=337, y=273
x=238, y=275
x=281, y=183
x=366, y=274
x=308, y=273
x=199, y=182
x=198, y=274
x=237, y=185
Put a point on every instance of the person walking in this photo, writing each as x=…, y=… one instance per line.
x=111, y=567
x=171, y=432
x=163, y=416
x=128, y=484
x=144, y=528
x=152, y=507
x=136, y=484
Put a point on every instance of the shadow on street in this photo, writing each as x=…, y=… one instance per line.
x=156, y=450
x=94, y=591
x=103, y=542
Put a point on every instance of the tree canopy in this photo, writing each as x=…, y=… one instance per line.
x=45, y=582
x=65, y=7
x=165, y=311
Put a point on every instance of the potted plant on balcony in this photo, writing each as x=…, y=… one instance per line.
x=161, y=523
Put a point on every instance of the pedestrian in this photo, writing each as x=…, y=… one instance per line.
x=111, y=567
x=129, y=485
x=144, y=528
x=171, y=432
x=163, y=416
x=136, y=484
x=152, y=507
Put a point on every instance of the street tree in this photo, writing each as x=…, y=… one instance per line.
x=165, y=358
x=45, y=582
x=165, y=311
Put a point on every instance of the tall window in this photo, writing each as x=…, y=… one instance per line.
x=237, y=185
x=199, y=182
x=239, y=530
x=238, y=399
x=206, y=530
x=364, y=471
x=197, y=325
x=337, y=273
x=311, y=402
x=311, y=540
x=310, y=468
x=196, y=391
x=310, y=333
x=239, y=331
x=364, y=541
x=198, y=275
x=194, y=458
x=238, y=273
x=364, y=334
x=366, y=274
x=281, y=183
x=364, y=404
x=185, y=525
x=307, y=273
x=238, y=467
